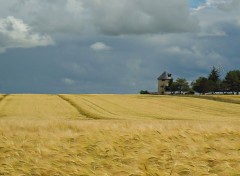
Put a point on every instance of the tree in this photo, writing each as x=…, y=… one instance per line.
x=214, y=80
x=182, y=85
x=179, y=85
x=144, y=92
x=214, y=75
x=224, y=87
x=201, y=85
x=173, y=87
x=233, y=80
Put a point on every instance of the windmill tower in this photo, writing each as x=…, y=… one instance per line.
x=163, y=82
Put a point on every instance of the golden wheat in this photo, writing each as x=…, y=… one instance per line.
x=234, y=99
x=70, y=147
x=230, y=98
x=135, y=135
x=154, y=107
x=36, y=106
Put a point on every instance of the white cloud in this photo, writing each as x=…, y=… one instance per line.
x=14, y=33
x=226, y=5
x=68, y=81
x=217, y=17
x=178, y=50
x=100, y=46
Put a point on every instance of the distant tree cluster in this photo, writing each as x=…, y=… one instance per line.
x=213, y=83
x=179, y=86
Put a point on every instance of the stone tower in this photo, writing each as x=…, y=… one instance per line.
x=163, y=82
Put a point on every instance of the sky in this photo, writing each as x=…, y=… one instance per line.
x=112, y=46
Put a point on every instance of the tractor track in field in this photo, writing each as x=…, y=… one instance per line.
x=1, y=100
x=100, y=109
x=3, y=97
x=80, y=110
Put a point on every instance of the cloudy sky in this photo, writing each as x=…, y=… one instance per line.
x=113, y=46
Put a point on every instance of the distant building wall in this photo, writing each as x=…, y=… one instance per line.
x=162, y=84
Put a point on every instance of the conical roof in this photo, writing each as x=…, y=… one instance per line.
x=165, y=76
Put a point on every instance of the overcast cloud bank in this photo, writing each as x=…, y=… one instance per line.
x=142, y=39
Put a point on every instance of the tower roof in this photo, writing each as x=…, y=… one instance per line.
x=165, y=76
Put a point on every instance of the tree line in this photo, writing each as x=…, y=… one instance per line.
x=211, y=84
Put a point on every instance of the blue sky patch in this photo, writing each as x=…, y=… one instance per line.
x=196, y=3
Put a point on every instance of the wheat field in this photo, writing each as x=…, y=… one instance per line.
x=224, y=98
x=132, y=135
